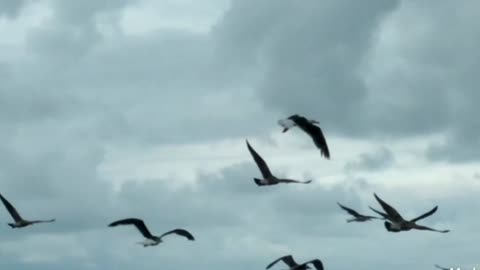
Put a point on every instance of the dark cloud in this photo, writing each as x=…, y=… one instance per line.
x=407, y=83
x=310, y=54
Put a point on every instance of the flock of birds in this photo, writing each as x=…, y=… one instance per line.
x=394, y=222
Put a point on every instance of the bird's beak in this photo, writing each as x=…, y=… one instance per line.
x=284, y=130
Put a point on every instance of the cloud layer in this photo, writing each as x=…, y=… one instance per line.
x=88, y=86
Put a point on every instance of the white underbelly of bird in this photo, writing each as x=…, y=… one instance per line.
x=395, y=226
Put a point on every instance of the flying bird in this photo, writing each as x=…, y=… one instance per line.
x=288, y=260
x=288, y=122
x=356, y=216
x=151, y=240
x=19, y=221
x=268, y=177
x=310, y=128
x=398, y=223
x=443, y=268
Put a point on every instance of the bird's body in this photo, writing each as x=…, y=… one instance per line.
x=356, y=216
x=268, y=178
x=309, y=127
x=396, y=223
x=293, y=265
x=19, y=222
x=150, y=242
x=150, y=239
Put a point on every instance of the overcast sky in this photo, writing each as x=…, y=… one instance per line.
x=140, y=108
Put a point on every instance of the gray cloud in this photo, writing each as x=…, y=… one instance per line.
x=219, y=208
x=124, y=84
x=11, y=9
x=238, y=224
x=317, y=63
x=311, y=55
x=381, y=159
x=75, y=93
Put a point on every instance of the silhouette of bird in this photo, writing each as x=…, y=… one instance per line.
x=151, y=240
x=398, y=223
x=288, y=260
x=356, y=216
x=19, y=221
x=268, y=177
x=309, y=127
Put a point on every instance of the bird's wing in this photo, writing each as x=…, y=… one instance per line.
x=373, y=217
x=136, y=222
x=283, y=180
x=349, y=210
x=319, y=139
x=287, y=259
x=262, y=165
x=429, y=213
x=385, y=216
x=316, y=262
x=315, y=133
x=425, y=228
x=13, y=212
x=391, y=212
x=181, y=232
x=443, y=268
x=43, y=221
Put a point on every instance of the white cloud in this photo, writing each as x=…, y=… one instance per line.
x=149, y=16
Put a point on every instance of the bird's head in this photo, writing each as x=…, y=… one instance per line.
x=388, y=226
x=11, y=225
